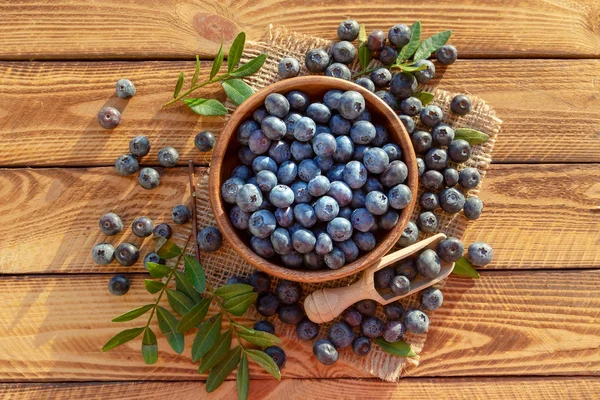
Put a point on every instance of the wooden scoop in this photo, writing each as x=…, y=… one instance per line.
x=324, y=305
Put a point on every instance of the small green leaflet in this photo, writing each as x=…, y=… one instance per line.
x=179, y=302
x=182, y=285
x=412, y=46
x=217, y=353
x=399, y=348
x=362, y=34
x=194, y=273
x=462, y=267
x=218, y=374
x=259, y=338
x=158, y=270
x=250, y=67
x=265, y=361
x=133, y=314
x=411, y=68
x=149, y=347
x=208, y=107
x=243, y=378
x=206, y=337
x=364, y=56
x=235, y=51
x=471, y=135
x=165, y=248
x=237, y=90
x=122, y=337
x=194, y=316
x=178, y=86
x=168, y=326
x=239, y=305
x=431, y=44
x=425, y=97
x=217, y=63
x=197, y=72
x=229, y=291
x=153, y=286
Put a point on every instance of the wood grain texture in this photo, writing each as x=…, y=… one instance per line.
x=530, y=220
x=506, y=323
x=526, y=388
x=545, y=119
x=170, y=29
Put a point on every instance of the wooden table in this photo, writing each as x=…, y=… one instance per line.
x=529, y=328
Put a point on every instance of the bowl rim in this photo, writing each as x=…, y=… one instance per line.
x=221, y=215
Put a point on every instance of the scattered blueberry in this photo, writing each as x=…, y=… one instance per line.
x=416, y=321
x=163, y=231
x=307, y=330
x=352, y=317
x=316, y=60
x=459, y=150
x=407, y=268
x=181, y=214
x=109, y=117
x=480, y=254
x=277, y=354
x=125, y=89
x=424, y=75
x=168, y=157
x=126, y=165
x=288, y=68
x=103, y=253
x=371, y=327
x=110, y=224
x=325, y=352
x=366, y=307
x=119, y=285
x=139, y=146
x=460, y=104
x=447, y=54
x=267, y=305
x=473, y=208
x=152, y=257
x=291, y=314
x=469, y=178
x=427, y=222
x=409, y=235
x=127, y=254
x=348, y=30
x=264, y=326
x=204, y=141
x=393, y=310
x=209, y=239
x=142, y=227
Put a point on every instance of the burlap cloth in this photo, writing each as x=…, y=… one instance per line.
x=221, y=265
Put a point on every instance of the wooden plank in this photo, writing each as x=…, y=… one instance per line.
x=526, y=388
x=530, y=220
x=171, y=29
x=541, y=114
x=506, y=323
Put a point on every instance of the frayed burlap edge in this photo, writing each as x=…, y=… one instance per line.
x=225, y=263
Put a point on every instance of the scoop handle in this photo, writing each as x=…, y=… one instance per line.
x=324, y=305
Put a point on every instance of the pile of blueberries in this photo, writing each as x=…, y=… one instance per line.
x=318, y=180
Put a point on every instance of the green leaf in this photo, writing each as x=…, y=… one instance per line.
x=208, y=107
x=197, y=72
x=462, y=267
x=413, y=45
x=122, y=337
x=194, y=273
x=239, y=305
x=165, y=248
x=362, y=34
x=158, y=270
x=364, y=56
x=168, y=326
x=235, y=51
x=250, y=67
x=242, y=379
x=194, y=316
x=399, y=348
x=471, y=135
x=133, y=314
x=265, y=361
x=237, y=90
x=179, y=302
x=206, y=337
x=178, y=86
x=218, y=62
x=217, y=353
x=410, y=68
x=431, y=44
x=425, y=97
x=153, y=286
x=218, y=374
x=258, y=338
x=149, y=347
x=182, y=285
x=229, y=291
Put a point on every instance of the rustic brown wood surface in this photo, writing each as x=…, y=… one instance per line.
x=529, y=328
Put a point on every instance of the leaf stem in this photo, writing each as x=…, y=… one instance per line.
x=190, y=90
x=365, y=71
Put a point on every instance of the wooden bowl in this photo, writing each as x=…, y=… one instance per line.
x=225, y=159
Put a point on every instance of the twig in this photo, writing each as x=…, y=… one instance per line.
x=192, y=178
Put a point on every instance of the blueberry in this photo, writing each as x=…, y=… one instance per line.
x=403, y=85
x=139, y=146
x=234, y=280
x=246, y=129
x=381, y=77
x=395, y=173
x=408, y=123
x=436, y=159
x=348, y=30
x=400, y=285
x=109, y=117
x=266, y=180
x=308, y=169
x=371, y=327
x=301, y=193
x=459, y=150
x=442, y=135
x=416, y=321
x=273, y=128
x=409, y=235
x=450, y=177
x=316, y=60
x=338, y=70
x=318, y=186
x=343, y=52
x=447, y=54
x=339, y=125
x=362, y=220
x=110, y=224
x=239, y=218
x=376, y=40
x=267, y=304
x=288, y=68
x=324, y=162
x=364, y=240
x=388, y=55
x=298, y=100
x=325, y=352
x=288, y=292
x=125, y=89
x=421, y=141
x=323, y=129
x=362, y=132
x=359, y=152
x=450, y=249
x=361, y=346
x=210, y=239
x=480, y=254
x=119, y=285
x=103, y=253
x=355, y=174
x=307, y=330
x=460, y=104
x=262, y=223
x=258, y=142
x=367, y=308
x=230, y=188
x=305, y=215
x=127, y=254
x=264, y=326
x=350, y=250
x=428, y=264
x=181, y=214
x=277, y=354
x=324, y=144
x=290, y=120
x=341, y=335
x=326, y=208
x=291, y=314
x=303, y=241
x=393, y=331
x=383, y=278
x=429, y=201
x=431, y=299
x=431, y=115
x=335, y=259
x=344, y=149
x=276, y=104
x=399, y=35
x=411, y=106
x=351, y=104
x=260, y=281
x=352, y=317
x=258, y=115
x=168, y=157
x=346, y=212
x=319, y=113
x=426, y=74
x=324, y=244
x=304, y=130
x=432, y=180
x=292, y=259
x=451, y=200
x=163, y=231
x=340, y=229
x=287, y=172
x=204, y=141
x=377, y=202
x=358, y=200
x=313, y=261
x=427, y=222
x=341, y=192
x=473, y=208
x=376, y=160
x=364, y=116
x=388, y=98
x=399, y=197
x=148, y=178
x=389, y=220
x=249, y=198
x=469, y=178
x=126, y=165
x=246, y=156
x=263, y=162
x=393, y=310
x=366, y=83
x=152, y=257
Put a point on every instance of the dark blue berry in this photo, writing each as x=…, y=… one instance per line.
x=376, y=40
x=403, y=85
x=366, y=83
x=341, y=335
x=383, y=278
x=204, y=141
x=409, y=235
x=291, y=314
x=460, y=104
x=264, y=326
x=209, y=239
x=427, y=222
x=431, y=299
x=325, y=352
x=427, y=74
x=371, y=327
x=119, y=285
x=288, y=68
x=125, y=89
x=307, y=330
x=139, y=146
x=366, y=307
x=103, y=253
x=416, y=321
x=343, y=52
x=480, y=254
x=447, y=54
x=276, y=104
x=428, y=263
x=298, y=100
x=267, y=304
x=473, y=208
x=127, y=254
x=393, y=310
x=316, y=60
x=393, y=331
x=168, y=157
x=109, y=117
x=381, y=77
x=451, y=200
x=110, y=224
x=278, y=355
x=181, y=214
x=163, y=231
x=152, y=257
x=469, y=178
x=126, y=165
x=348, y=30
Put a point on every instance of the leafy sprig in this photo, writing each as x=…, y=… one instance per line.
x=235, y=88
